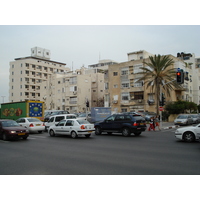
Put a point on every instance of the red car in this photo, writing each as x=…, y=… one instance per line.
x=10, y=129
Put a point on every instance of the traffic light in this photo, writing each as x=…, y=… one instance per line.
x=162, y=101
x=180, y=77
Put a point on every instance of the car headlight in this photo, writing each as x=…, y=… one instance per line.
x=12, y=131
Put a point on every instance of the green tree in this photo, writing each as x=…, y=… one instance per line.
x=158, y=74
x=180, y=107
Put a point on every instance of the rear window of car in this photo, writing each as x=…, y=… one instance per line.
x=82, y=121
x=33, y=120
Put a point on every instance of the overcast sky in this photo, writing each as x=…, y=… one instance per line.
x=86, y=44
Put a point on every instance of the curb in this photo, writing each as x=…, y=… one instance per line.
x=171, y=127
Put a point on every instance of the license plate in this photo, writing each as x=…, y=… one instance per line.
x=21, y=133
x=141, y=123
x=37, y=124
x=89, y=131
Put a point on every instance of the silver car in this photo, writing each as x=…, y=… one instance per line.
x=183, y=119
x=196, y=118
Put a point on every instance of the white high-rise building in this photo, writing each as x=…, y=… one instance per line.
x=28, y=75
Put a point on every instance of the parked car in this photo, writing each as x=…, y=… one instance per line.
x=10, y=129
x=84, y=116
x=149, y=115
x=189, y=133
x=121, y=123
x=57, y=118
x=32, y=124
x=196, y=118
x=73, y=127
x=183, y=119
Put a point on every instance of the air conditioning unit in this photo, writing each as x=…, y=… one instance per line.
x=115, y=101
x=74, y=92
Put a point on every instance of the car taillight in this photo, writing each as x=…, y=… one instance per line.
x=43, y=124
x=31, y=125
x=82, y=127
x=136, y=124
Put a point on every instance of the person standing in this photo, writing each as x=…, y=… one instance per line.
x=157, y=124
x=151, y=124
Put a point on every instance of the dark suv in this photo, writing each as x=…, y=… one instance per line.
x=121, y=123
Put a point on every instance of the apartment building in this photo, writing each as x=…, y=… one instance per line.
x=71, y=90
x=29, y=75
x=123, y=93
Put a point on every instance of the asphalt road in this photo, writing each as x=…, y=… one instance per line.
x=151, y=153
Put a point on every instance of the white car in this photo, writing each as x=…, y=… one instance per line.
x=32, y=124
x=73, y=127
x=188, y=134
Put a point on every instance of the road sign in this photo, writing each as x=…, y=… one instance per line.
x=161, y=108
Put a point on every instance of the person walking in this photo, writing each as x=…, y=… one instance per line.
x=157, y=124
x=151, y=124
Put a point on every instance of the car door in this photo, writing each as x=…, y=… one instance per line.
x=108, y=123
x=59, y=128
x=68, y=127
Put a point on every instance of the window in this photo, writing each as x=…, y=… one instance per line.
x=125, y=85
x=73, y=80
x=124, y=71
x=138, y=84
x=59, y=118
x=125, y=96
x=115, y=86
x=115, y=73
x=138, y=95
x=106, y=86
x=119, y=118
x=69, y=123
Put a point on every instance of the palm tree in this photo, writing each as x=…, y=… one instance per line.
x=158, y=73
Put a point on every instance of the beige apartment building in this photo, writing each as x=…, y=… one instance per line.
x=71, y=90
x=29, y=75
x=124, y=94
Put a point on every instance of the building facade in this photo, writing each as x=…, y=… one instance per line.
x=123, y=92
x=28, y=75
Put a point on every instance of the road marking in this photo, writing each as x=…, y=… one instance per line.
x=37, y=136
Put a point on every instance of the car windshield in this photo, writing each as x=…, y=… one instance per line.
x=33, y=120
x=182, y=117
x=82, y=121
x=195, y=116
x=10, y=124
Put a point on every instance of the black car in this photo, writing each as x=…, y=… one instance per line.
x=121, y=123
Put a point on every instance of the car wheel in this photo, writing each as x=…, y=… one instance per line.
x=125, y=132
x=109, y=133
x=137, y=133
x=39, y=131
x=5, y=137
x=98, y=130
x=188, y=137
x=51, y=133
x=73, y=134
x=88, y=135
